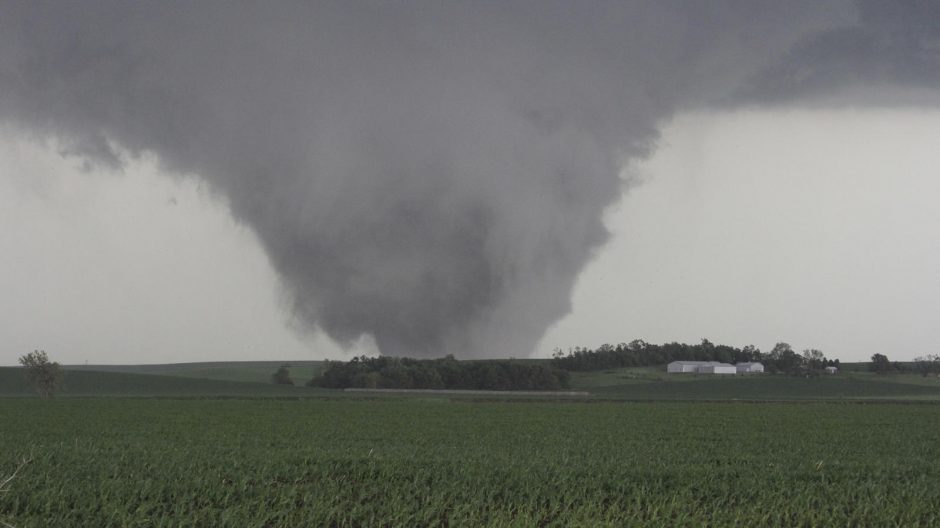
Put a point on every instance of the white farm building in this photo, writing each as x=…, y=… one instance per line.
x=712, y=367
x=748, y=368
x=701, y=367
x=684, y=366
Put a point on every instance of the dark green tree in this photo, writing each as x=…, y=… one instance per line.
x=445, y=373
x=880, y=364
x=750, y=353
x=282, y=376
x=814, y=359
x=782, y=358
x=44, y=375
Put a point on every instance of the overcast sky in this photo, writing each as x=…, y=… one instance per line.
x=195, y=181
x=819, y=228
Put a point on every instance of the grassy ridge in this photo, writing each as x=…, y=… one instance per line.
x=252, y=379
x=395, y=462
x=92, y=383
x=245, y=371
x=655, y=384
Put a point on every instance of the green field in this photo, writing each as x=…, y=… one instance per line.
x=252, y=379
x=81, y=383
x=245, y=371
x=218, y=445
x=437, y=462
x=656, y=384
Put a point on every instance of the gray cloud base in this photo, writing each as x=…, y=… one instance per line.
x=431, y=174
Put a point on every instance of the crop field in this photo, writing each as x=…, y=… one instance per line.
x=441, y=462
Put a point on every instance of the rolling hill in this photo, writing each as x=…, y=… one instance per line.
x=89, y=383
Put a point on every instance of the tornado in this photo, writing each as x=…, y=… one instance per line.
x=432, y=174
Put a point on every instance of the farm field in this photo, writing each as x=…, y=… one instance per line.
x=435, y=462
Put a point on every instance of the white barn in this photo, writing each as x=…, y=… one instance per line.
x=700, y=367
x=713, y=367
x=749, y=368
x=683, y=366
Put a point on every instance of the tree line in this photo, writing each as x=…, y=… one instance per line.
x=638, y=353
x=928, y=365
x=385, y=372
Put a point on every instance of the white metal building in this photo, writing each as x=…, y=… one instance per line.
x=683, y=366
x=748, y=368
x=701, y=367
x=718, y=368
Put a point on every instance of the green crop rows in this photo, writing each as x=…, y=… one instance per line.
x=430, y=462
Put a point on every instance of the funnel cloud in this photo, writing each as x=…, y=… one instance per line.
x=430, y=174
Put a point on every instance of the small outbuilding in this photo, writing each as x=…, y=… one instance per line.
x=749, y=368
x=832, y=370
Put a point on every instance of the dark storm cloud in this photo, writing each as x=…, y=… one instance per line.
x=890, y=55
x=431, y=174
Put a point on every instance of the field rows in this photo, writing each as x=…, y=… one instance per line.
x=415, y=462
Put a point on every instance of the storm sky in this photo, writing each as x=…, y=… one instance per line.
x=207, y=182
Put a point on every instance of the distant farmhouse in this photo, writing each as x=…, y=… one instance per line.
x=832, y=370
x=713, y=367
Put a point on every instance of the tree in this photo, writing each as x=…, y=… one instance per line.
x=44, y=375
x=282, y=376
x=814, y=359
x=927, y=365
x=880, y=364
x=782, y=358
x=750, y=353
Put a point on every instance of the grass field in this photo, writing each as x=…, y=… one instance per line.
x=438, y=462
x=656, y=384
x=245, y=371
x=97, y=384
x=219, y=445
x=252, y=379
